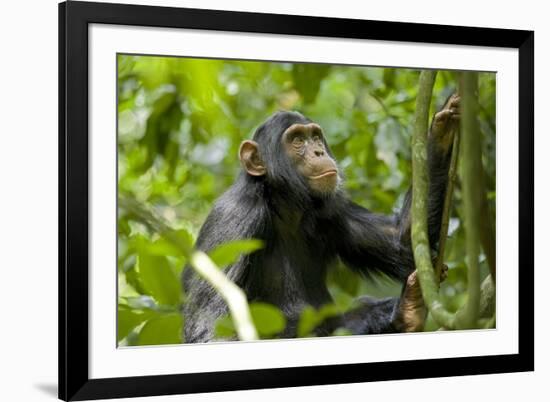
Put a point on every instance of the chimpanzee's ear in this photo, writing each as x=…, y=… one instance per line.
x=249, y=154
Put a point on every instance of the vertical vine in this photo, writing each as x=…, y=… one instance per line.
x=419, y=211
x=472, y=173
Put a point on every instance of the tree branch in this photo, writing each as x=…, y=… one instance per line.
x=471, y=172
x=419, y=212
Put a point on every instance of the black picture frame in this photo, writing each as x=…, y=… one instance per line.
x=74, y=18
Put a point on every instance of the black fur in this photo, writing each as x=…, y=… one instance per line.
x=304, y=235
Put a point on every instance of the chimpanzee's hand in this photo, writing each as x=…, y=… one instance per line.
x=445, y=123
x=412, y=311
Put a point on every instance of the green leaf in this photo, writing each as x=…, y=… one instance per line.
x=182, y=238
x=143, y=302
x=224, y=327
x=158, y=279
x=163, y=247
x=128, y=319
x=229, y=252
x=345, y=280
x=308, y=321
x=175, y=243
x=308, y=78
x=342, y=332
x=343, y=301
x=311, y=318
x=268, y=319
x=132, y=278
x=161, y=330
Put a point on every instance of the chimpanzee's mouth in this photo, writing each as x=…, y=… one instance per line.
x=328, y=173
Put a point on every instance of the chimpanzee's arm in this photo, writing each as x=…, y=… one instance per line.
x=395, y=314
x=371, y=242
x=406, y=313
x=370, y=316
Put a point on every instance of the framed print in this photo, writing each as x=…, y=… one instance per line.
x=258, y=200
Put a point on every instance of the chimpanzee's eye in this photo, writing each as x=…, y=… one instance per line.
x=316, y=138
x=298, y=140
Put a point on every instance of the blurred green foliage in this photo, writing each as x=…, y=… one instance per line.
x=180, y=123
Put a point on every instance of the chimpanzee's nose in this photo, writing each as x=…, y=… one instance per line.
x=319, y=152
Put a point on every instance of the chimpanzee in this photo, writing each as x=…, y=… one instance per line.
x=289, y=194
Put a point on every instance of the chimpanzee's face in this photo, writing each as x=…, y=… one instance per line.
x=306, y=147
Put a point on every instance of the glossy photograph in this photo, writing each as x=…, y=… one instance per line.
x=267, y=200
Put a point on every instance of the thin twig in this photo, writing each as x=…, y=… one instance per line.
x=447, y=205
